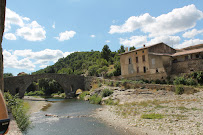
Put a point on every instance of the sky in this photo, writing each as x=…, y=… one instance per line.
x=39, y=32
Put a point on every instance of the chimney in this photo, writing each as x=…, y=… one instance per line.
x=126, y=49
x=143, y=45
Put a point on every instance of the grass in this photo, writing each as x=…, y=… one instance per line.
x=106, y=92
x=152, y=116
x=95, y=99
x=19, y=110
x=83, y=94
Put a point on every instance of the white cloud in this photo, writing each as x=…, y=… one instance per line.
x=179, y=19
x=66, y=35
x=107, y=41
x=132, y=24
x=136, y=41
x=92, y=36
x=10, y=36
x=32, y=32
x=192, y=33
x=190, y=42
x=43, y=66
x=54, y=26
x=11, y=61
x=29, y=31
x=169, y=40
x=27, y=59
x=12, y=18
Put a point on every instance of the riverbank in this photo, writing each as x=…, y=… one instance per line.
x=152, y=112
x=35, y=105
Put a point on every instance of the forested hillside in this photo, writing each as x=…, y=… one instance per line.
x=93, y=63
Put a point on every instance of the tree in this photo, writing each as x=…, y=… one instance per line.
x=117, y=70
x=132, y=48
x=65, y=71
x=122, y=49
x=8, y=75
x=102, y=71
x=106, y=52
x=92, y=70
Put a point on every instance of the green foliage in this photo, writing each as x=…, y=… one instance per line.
x=109, y=101
x=117, y=84
x=200, y=77
x=179, y=80
x=191, y=81
x=122, y=49
x=8, y=75
x=106, y=92
x=109, y=75
x=102, y=71
x=132, y=48
x=152, y=116
x=106, y=52
x=49, y=86
x=83, y=94
x=18, y=110
x=92, y=70
x=95, y=99
x=179, y=90
x=65, y=71
x=117, y=70
x=35, y=93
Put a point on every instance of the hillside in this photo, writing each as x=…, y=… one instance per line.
x=93, y=63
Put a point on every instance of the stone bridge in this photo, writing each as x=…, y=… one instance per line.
x=70, y=83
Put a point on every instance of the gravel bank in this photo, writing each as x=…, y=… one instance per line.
x=182, y=114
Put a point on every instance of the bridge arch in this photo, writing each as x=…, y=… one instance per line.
x=70, y=83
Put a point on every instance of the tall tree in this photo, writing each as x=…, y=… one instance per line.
x=106, y=52
x=2, y=21
x=122, y=49
x=132, y=48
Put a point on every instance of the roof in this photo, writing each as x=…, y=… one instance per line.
x=141, y=48
x=187, y=52
x=191, y=47
x=160, y=54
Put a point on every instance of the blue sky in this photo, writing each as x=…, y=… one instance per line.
x=39, y=32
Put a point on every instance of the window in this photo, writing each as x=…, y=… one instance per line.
x=144, y=69
x=136, y=52
x=129, y=60
x=137, y=69
x=143, y=57
x=197, y=55
x=157, y=71
x=143, y=51
x=136, y=59
x=186, y=57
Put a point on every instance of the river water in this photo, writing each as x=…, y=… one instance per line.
x=61, y=125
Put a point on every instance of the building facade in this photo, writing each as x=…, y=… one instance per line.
x=160, y=61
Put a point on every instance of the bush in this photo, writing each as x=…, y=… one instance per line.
x=157, y=81
x=200, y=77
x=179, y=80
x=109, y=101
x=191, y=81
x=106, y=92
x=109, y=75
x=83, y=94
x=179, y=90
x=152, y=116
x=95, y=99
x=117, y=84
x=35, y=93
x=18, y=110
x=110, y=83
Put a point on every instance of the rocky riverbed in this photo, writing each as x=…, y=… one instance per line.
x=152, y=112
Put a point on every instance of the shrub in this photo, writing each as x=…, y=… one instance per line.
x=179, y=90
x=117, y=84
x=109, y=101
x=18, y=110
x=83, y=94
x=110, y=83
x=109, y=75
x=35, y=93
x=200, y=77
x=152, y=116
x=157, y=81
x=191, y=81
x=95, y=99
x=99, y=84
x=179, y=80
x=106, y=92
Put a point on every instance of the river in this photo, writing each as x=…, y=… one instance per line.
x=61, y=125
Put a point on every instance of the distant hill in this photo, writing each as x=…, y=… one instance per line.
x=93, y=63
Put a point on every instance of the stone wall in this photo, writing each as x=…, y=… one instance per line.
x=187, y=66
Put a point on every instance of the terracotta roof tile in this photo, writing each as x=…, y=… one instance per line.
x=187, y=52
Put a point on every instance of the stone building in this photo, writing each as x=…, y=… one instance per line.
x=160, y=61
